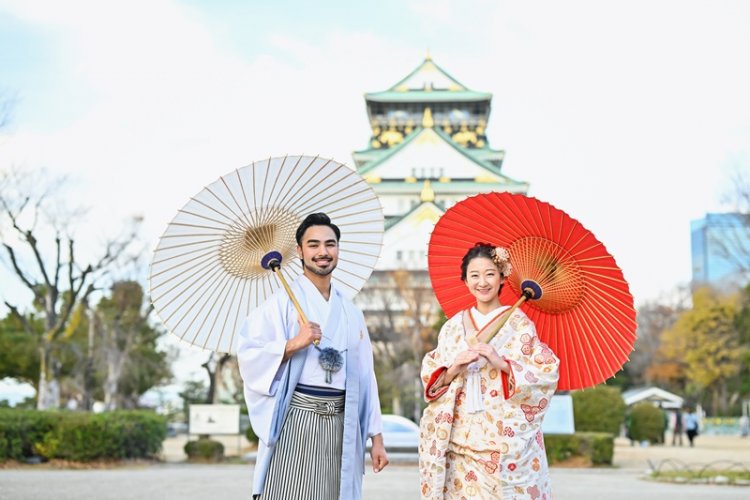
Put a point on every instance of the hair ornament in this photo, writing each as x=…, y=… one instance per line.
x=501, y=258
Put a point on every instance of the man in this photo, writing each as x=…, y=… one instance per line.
x=313, y=407
x=677, y=428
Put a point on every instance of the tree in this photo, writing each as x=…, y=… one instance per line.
x=127, y=346
x=19, y=357
x=704, y=347
x=59, y=282
x=214, y=366
x=391, y=350
x=654, y=317
x=733, y=242
x=741, y=387
x=401, y=309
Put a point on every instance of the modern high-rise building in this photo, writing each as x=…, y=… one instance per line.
x=720, y=248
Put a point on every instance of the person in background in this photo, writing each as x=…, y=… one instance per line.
x=691, y=425
x=677, y=427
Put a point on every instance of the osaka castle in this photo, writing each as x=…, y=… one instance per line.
x=428, y=150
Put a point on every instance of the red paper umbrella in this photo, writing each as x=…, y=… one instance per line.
x=563, y=278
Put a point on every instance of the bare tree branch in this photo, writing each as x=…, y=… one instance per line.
x=58, y=262
x=25, y=322
x=18, y=270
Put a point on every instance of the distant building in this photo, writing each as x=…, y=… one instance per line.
x=428, y=150
x=655, y=396
x=720, y=247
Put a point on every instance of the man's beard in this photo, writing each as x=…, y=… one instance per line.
x=318, y=271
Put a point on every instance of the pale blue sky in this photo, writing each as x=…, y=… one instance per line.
x=627, y=115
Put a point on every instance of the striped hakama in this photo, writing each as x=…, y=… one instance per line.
x=306, y=463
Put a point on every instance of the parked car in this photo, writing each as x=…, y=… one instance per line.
x=399, y=434
x=176, y=428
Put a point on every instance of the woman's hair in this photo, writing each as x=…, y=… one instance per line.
x=498, y=255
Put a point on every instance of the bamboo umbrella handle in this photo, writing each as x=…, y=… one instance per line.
x=531, y=290
x=274, y=264
x=301, y=313
x=490, y=334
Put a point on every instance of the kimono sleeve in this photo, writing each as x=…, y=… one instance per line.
x=375, y=424
x=260, y=351
x=435, y=363
x=534, y=371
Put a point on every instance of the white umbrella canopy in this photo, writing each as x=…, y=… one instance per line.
x=206, y=275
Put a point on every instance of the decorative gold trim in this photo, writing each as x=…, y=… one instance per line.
x=427, y=121
x=486, y=178
x=427, y=194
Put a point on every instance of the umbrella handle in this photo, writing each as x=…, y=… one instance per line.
x=490, y=334
x=291, y=297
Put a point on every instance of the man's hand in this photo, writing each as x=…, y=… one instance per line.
x=308, y=333
x=378, y=454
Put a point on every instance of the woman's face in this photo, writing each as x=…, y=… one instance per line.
x=483, y=280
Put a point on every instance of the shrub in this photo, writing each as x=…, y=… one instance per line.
x=204, y=449
x=602, y=448
x=646, y=423
x=81, y=436
x=597, y=447
x=600, y=409
x=560, y=447
x=22, y=430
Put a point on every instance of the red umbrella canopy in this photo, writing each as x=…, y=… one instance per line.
x=585, y=313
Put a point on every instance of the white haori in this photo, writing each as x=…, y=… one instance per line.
x=270, y=381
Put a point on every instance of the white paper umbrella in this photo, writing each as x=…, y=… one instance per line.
x=206, y=275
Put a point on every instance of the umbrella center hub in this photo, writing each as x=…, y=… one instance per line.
x=553, y=268
x=243, y=247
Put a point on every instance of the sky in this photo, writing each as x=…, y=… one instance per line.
x=629, y=115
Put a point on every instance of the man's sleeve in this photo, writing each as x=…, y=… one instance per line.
x=261, y=348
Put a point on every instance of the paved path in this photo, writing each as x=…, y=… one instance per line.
x=227, y=482
x=181, y=481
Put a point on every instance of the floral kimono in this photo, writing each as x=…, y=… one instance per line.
x=480, y=436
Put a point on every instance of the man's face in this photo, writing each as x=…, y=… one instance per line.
x=319, y=250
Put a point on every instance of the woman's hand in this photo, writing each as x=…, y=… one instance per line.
x=490, y=354
x=462, y=360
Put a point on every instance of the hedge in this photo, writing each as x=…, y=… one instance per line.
x=646, y=423
x=204, y=449
x=598, y=447
x=600, y=409
x=80, y=437
x=21, y=430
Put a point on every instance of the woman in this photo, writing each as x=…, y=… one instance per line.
x=691, y=425
x=480, y=435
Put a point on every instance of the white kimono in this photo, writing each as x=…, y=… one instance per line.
x=270, y=382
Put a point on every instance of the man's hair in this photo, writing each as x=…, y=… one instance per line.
x=319, y=219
